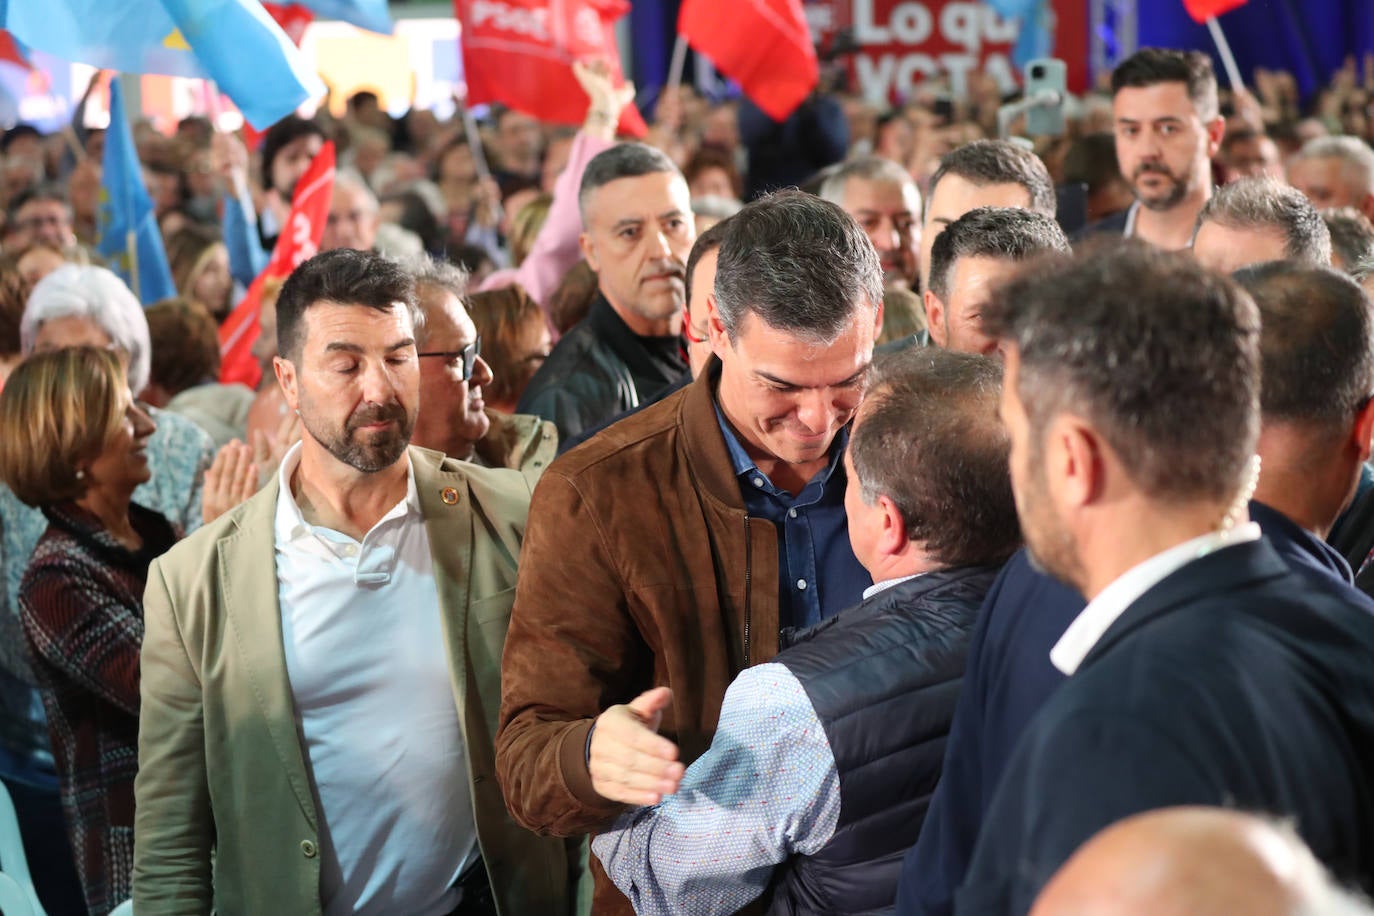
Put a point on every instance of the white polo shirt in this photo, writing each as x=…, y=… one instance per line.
x=365, y=654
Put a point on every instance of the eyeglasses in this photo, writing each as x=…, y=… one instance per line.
x=466, y=357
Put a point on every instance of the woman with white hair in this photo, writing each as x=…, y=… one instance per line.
x=76, y=305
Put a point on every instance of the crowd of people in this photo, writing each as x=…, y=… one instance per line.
x=859, y=513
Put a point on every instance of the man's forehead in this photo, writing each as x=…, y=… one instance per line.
x=638, y=197
x=974, y=276
x=446, y=318
x=880, y=195
x=955, y=195
x=327, y=318
x=1153, y=102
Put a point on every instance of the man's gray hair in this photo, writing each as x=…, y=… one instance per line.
x=801, y=264
x=436, y=272
x=1357, y=159
x=97, y=295
x=351, y=180
x=624, y=160
x=1263, y=203
x=864, y=168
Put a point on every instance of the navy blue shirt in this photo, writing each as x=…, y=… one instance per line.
x=818, y=574
x=1008, y=678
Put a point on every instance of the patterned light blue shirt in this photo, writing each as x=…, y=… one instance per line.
x=767, y=789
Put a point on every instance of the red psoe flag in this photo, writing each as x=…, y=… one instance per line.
x=520, y=53
x=1202, y=10
x=298, y=242
x=764, y=45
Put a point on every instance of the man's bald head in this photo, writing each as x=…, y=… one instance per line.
x=1189, y=862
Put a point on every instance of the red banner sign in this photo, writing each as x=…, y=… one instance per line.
x=903, y=43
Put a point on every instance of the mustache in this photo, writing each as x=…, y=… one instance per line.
x=1157, y=168
x=673, y=268
x=377, y=413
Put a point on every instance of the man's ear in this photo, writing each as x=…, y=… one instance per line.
x=1367, y=206
x=1074, y=457
x=935, y=317
x=1216, y=130
x=715, y=328
x=1362, y=433
x=584, y=242
x=892, y=540
x=285, y=371
x=878, y=322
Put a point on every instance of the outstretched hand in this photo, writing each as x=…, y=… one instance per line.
x=630, y=762
x=607, y=100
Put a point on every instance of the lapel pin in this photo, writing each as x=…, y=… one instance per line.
x=449, y=495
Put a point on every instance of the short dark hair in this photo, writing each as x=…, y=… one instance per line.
x=985, y=162
x=1152, y=66
x=801, y=264
x=1005, y=233
x=1352, y=238
x=288, y=130
x=624, y=160
x=936, y=410
x=1316, y=342
x=707, y=242
x=1263, y=203
x=346, y=277
x=1150, y=347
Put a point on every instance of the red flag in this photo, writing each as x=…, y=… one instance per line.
x=292, y=17
x=1202, y=10
x=298, y=242
x=520, y=53
x=764, y=45
x=12, y=53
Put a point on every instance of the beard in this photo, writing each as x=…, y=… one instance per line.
x=366, y=452
x=1050, y=548
x=1170, y=197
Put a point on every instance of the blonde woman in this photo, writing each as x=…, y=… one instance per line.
x=73, y=443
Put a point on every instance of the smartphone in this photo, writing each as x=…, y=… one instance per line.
x=1046, y=74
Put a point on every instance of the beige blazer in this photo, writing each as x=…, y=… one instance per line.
x=222, y=773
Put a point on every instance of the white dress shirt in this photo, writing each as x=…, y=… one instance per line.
x=1095, y=619
x=365, y=654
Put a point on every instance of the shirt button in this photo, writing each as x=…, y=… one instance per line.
x=801, y=585
x=758, y=481
x=791, y=513
x=308, y=848
x=350, y=550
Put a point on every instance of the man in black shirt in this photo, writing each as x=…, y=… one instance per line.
x=637, y=232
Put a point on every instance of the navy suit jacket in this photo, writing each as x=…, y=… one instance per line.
x=1009, y=677
x=1241, y=680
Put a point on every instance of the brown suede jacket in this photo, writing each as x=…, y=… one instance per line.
x=640, y=568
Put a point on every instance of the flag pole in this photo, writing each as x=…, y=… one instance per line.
x=1228, y=60
x=131, y=245
x=678, y=63
x=479, y=155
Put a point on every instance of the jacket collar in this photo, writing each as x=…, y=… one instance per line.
x=1299, y=546
x=705, y=443
x=1228, y=569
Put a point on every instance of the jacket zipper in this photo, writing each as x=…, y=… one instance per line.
x=748, y=573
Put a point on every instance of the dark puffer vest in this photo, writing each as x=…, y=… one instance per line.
x=883, y=678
